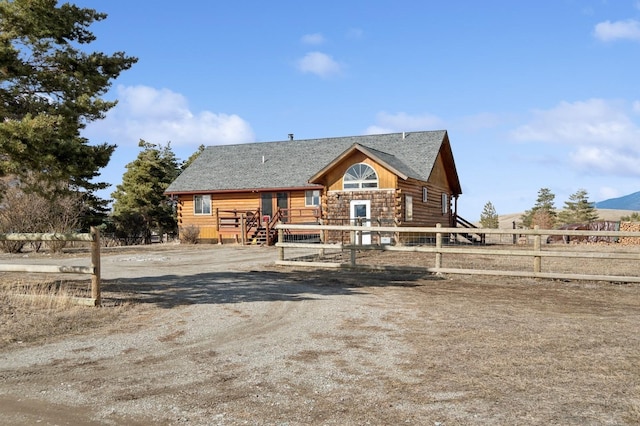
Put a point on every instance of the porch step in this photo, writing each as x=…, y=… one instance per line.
x=259, y=237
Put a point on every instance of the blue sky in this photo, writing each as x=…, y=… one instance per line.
x=533, y=93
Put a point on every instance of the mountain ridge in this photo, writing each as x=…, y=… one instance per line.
x=626, y=202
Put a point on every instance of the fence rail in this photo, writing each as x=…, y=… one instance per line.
x=93, y=270
x=442, y=242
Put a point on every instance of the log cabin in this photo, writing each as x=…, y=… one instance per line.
x=240, y=192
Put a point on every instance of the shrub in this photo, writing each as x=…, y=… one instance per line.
x=22, y=211
x=189, y=234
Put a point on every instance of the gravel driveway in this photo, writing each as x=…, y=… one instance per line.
x=219, y=339
x=220, y=336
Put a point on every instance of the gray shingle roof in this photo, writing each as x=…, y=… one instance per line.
x=290, y=164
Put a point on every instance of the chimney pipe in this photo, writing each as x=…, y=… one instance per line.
x=290, y=136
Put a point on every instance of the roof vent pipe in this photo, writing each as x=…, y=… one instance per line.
x=290, y=136
x=403, y=135
x=263, y=159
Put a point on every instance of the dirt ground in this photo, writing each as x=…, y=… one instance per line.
x=210, y=335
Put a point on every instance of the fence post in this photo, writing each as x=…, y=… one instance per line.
x=95, y=264
x=537, y=260
x=322, y=239
x=438, y=246
x=353, y=249
x=243, y=228
x=281, y=240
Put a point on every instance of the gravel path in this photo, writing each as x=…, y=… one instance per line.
x=218, y=342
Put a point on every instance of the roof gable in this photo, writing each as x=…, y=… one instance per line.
x=293, y=163
x=387, y=160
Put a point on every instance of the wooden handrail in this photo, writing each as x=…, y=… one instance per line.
x=302, y=212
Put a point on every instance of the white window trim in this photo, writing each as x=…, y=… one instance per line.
x=408, y=208
x=445, y=203
x=360, y=182
x=205, y=199
x=313, y=196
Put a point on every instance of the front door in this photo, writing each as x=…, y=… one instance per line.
x=360, y=214
x=282, y=201
x=267, y=206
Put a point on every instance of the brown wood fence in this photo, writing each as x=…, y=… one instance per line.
x=94, y=270
x=441, y=242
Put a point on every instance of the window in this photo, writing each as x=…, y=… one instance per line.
x=312, y=198
x=360, y=176
x=424, y=194
x=408, y=208
x=202, y=204
x=445, y=203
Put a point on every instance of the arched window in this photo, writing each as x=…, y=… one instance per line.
x=360, y=176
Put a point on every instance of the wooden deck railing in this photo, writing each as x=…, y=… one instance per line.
x=304, y=215
x=245, y=224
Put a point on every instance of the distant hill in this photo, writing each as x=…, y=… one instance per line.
x=627, y=202
x=505, y=221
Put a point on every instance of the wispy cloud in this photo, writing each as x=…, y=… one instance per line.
x=320, y=64
x=401, y=121
x=161, y=115
x=313, y=39
x=618, y=30
x=602, y=132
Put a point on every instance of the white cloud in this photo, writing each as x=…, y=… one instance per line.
x=606, y=192
x=320, y=64
x=314, y=39
x=602, y=132
x=401, y=121
x=619, y=30
x=606, y=160
x=160, y=116
x=591, y=121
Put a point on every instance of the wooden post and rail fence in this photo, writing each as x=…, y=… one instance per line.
x=94, y=270
x=442, y=246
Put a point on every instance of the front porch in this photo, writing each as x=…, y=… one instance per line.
x=251, y=227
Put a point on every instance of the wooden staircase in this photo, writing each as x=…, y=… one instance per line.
x=259, y=237
x=470, y=237
x=263, y=233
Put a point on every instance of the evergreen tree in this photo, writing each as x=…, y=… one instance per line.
x=50, y=88
x=543, y=213
x=489, y=217
x=191, y=159
x=140, y=198
x=578, y=209
x=633, y=217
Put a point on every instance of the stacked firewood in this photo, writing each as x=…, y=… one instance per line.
x=629, y=227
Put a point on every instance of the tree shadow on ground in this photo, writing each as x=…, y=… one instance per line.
x=168, y=291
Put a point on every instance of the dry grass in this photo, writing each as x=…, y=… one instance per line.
x=506, y=262
x=533, y=351
x=32, y=310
